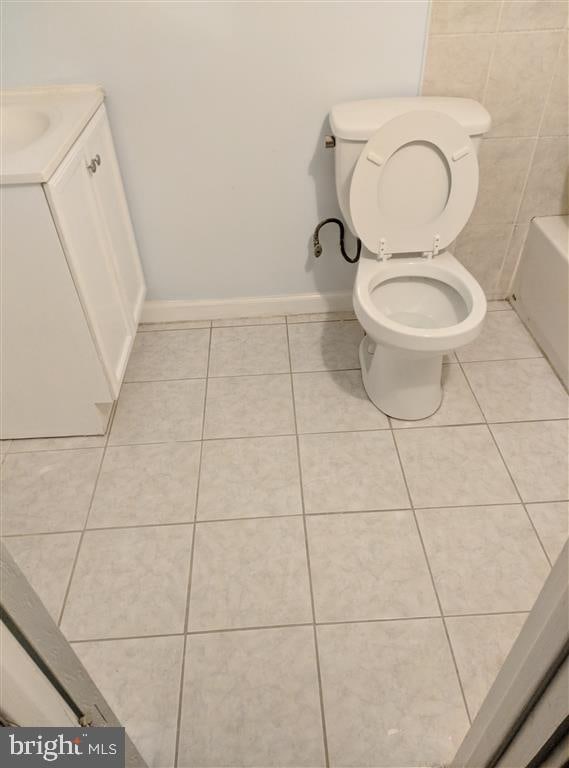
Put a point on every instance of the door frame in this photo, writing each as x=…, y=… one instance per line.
x=536, y=657
x=27, y=618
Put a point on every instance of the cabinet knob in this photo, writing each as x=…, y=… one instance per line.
x=92, y=166
x=98, y=159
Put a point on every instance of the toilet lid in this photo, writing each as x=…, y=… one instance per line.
x=415, y=180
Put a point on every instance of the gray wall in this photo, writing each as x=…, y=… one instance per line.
x=218, y=111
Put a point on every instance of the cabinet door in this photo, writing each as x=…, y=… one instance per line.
x=52, y=380
x=109, y=192
x=89, y=256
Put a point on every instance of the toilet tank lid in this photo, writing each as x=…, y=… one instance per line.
x=359, y=120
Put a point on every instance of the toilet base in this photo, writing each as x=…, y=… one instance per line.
x=402, y=384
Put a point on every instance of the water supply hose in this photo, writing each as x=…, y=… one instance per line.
x=318, y=248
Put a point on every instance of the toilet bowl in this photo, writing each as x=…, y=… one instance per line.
x=407, y=181
x=413, y=312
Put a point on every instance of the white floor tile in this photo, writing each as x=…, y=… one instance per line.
x=49, y=491
x=141, y=681
x=458, y=404
x=480, y=645
x=483, y=559
x=503, y=337
x=249, y=350
x=325, y=346
x=351, y=471
x=251, y=699
x=159, y=411
x=450, y=466
x=552, y=525
x=369, y=566
x=518, y=390
x=537, y=456
x=249, y=573
x=146, y=485
x=391, y=695
x=334, y=401
x=168, y=355
x=249, y=477
x=46, y=562
x=498, y=305
x=249, y=406
x=146, y=572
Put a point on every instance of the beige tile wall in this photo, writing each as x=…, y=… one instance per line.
x=512, y=56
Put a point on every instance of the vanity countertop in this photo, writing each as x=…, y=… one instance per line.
x=39, y=126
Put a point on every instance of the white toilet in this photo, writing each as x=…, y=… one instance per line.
x=407, y=180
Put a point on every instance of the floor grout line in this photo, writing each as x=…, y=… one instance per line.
x=179, y=523
x=122, y=637
x=309, y=570
x=82, y=532
x=292, y=434
x=190, y=571
x=510, y=474
x=499, y=360
x=260, y=627
x=427, y=561
x=478, y=423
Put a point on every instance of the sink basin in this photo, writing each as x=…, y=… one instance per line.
x=38, y=126
x=21, y=126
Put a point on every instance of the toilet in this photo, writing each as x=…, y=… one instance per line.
x=407, y=180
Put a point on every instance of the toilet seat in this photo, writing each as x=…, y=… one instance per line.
x=414, y=185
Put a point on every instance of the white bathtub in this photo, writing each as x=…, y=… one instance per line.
x=541, y=289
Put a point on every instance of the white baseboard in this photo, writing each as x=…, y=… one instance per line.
x=259, y=306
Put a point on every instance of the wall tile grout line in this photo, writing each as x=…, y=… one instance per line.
x=529, y=168
x=488, y=33
x=510, y=475
x=439, y=603
x=512, y=225
x=495, y=34
x=189, y=587
x=307, y=549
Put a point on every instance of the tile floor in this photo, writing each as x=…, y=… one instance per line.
x=259, y=568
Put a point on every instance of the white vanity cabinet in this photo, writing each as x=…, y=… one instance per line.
x=89, y=209
x=72, y=292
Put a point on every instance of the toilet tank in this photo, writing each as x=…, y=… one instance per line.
x=354, y=122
